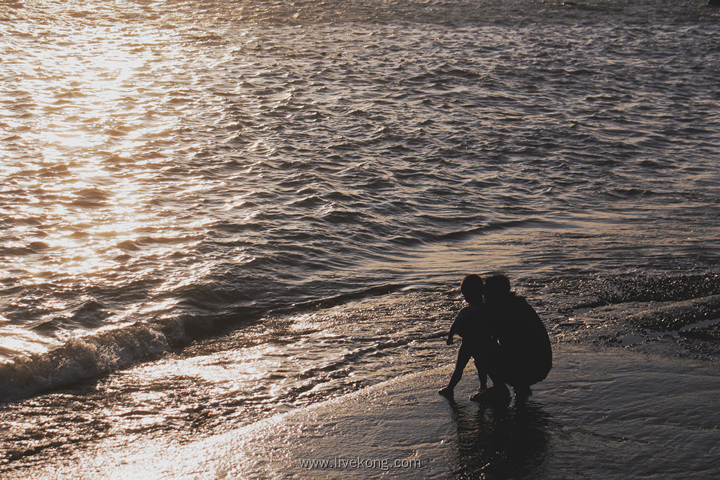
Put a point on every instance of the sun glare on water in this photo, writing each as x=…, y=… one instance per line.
x=87, y=163
x=89, y=135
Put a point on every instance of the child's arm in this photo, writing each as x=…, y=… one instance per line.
x=451, y=334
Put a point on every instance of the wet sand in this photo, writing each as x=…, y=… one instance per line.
x=600, y=414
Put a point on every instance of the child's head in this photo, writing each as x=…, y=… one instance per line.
x=472, y=288
x=497, y=286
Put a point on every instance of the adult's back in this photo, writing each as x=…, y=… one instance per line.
x=525, y=351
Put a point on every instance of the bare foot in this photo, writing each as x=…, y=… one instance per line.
x=447, y=393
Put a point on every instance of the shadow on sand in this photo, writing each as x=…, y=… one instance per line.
x=500, y=442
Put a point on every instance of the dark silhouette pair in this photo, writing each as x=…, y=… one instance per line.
x=503, y=335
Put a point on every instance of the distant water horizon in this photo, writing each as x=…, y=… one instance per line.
x=217, y=210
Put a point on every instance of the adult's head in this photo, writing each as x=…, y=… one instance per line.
x=497, y=287
x=472, y=288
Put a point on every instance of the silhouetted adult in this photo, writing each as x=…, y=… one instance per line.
x=525, y=355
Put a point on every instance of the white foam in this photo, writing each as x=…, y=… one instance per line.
x=80, y=359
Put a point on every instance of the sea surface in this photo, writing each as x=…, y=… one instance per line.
x=212, y=211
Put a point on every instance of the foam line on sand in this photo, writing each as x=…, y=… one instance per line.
x=600, y=414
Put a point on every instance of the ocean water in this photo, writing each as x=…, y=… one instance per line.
x=213, y=211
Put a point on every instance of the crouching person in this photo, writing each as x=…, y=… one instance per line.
x=524, y=356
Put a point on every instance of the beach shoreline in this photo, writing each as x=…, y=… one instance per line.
x=601, y=413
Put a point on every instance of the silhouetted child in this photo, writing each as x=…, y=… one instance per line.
x=477, y=342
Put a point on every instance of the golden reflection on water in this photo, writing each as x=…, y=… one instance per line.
x=89, y=130
x=90, y=102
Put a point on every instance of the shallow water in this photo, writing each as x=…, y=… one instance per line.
x=213, y=210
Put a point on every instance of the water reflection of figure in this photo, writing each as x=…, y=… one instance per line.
x=500, y=443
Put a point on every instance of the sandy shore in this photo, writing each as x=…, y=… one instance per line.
x=600, y=414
